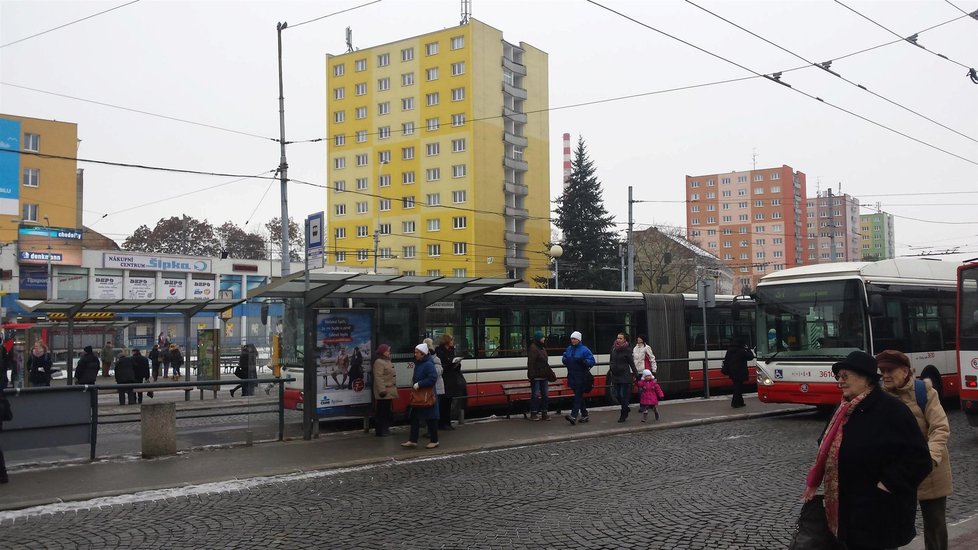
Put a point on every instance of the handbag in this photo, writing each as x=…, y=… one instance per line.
x=813, y=529
x=422, y=398
x=588, y=380
x=551, y=375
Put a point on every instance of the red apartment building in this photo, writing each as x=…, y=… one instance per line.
x=754, y=221
x=833, y=229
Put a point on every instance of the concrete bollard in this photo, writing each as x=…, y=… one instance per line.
x=159, y=429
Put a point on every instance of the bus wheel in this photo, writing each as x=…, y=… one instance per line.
x=935, y=380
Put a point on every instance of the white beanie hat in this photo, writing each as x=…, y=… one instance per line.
x=422, y=347
x=576, y=335
x=646, y=372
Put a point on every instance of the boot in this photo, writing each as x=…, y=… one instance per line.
x=544, y=416
x=656, y=411
x=645, y=416
x=534, y=417
x=626, y=412
x=622, y=416
x=571, y=419
x=584, y=419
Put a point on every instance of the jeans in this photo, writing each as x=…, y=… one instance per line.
x=127, y=394
x=578, y=405
x=384, y=416
x=539, y=400
x=623, y=392
x=416, y=429
x=935, y=523
x=738, y=393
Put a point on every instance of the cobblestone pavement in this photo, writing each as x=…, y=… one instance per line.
x=732, y=485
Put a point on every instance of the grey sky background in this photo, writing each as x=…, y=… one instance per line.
x=214, y=63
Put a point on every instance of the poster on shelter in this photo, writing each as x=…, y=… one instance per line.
x=344, y=349
x=208, y=354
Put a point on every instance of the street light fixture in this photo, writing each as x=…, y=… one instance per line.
x=556, y=251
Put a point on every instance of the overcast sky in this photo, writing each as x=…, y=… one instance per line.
x=214, y=63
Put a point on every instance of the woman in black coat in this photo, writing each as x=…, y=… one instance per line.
x=622, y=373
x=452, y=377
x=871, y=458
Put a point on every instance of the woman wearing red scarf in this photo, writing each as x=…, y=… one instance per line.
x=871, y=459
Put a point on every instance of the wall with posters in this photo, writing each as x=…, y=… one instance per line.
x=140, y=288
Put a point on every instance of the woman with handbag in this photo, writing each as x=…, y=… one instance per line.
x=424, y=406
x=622, y=373
x=39, y=368
x=643, y=356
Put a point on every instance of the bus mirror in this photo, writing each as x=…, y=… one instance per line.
x=876, y=308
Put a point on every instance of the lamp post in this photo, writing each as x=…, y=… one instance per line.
x=556, y=251
x=47, y=225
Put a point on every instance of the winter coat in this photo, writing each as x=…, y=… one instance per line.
x=934, y=425
x=650, y=392
x=621, y=366
x=107, y=357
x=640, y=354
x=174, y=358
x=881, y=442
x=537, y=364
x=241, y=371
x=39, y=369
x=154, y=356
x=87, y=369
x=440, y=384
x=578, y=359
x=425, y=376
x=385, y=379
x=140, y=366
x=735, y=361
x=455, y=385
x=125, y=372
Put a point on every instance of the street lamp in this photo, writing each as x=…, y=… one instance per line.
x=47, y=225
x=556, y=251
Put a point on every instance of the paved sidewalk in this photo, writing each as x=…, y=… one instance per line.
x=60, y=483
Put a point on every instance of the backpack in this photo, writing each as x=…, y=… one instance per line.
x=920, y=392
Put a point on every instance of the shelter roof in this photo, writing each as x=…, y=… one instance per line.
x=375, y=286
x=186, y=306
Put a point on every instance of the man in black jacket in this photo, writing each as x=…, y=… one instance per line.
x=141, y=368
x=735, y=367
x=86, y=371
x=125, y=373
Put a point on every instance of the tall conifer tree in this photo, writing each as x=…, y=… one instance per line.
x=589, y=239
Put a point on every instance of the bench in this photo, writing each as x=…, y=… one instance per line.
x=520, y=391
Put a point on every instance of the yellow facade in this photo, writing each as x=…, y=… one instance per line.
x=416, y=148
x=47, y=187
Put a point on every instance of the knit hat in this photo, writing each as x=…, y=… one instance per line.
x=537, y=336
x=860, y=363
x=88, y=349
x=382, y=349
x=892, y=359
x=647, y=372
x=576, y=335
x=422, y=347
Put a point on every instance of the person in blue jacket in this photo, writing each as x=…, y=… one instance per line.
x=578, y=359
x=425, y=376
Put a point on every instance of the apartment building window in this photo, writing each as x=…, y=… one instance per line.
x=695, y=233
x=408, y=227
x=742, y=217
x=778, y=254
x=694, y=184
x=407, y=153
x=742, y=204
x=694, y=208
x=711, y=232
x=741, y=179
x=360, y=89
x=728, y=256
x=741, y=192
x=458, y=197
x=459, y=222
x=759, y=216
x=776, y=229
x=384, y=205
x=727, y=219
x=725, y=193
x=407, y=79
x=434, y=250
x=725, y=181
x=711, y=183
x=458, y=119
x=409, y=252
x=458, y=68
x=384, y=229
x=758, y=177
x=383, y=59
x=460, y=249
x=431, y=48
x=775, y=176
x=407, y=128
x=727, y=231
x=407, y=54
x=458, y=145
x=775, y=188
x=459, y=272
x=434, y=273
x=458, y=94
x=431, y=99
x=458, y=171
x=361, y=136
x=695, y=221
x=777, y=240
x=694, y=197
x=340, y=233
x=339, y=116
x=711, y=244
x=363, y=254
x=432, y=149
x=383, y=132
x=727, y=244
x=744, y=256
x=360, y=65
x=742, y=230
x=776, y=215
x=340, y=209
x=363, y=207
x=362, y=231
x=340, y=257
x=407, y=104
x=433, y=174
x=383, y=108
x=711, y=195
x=711, y=220
x=407, y=202
x=361, y=113
x=758, y=203
x=339, y=163
x=726, y=206
x=385, y=254
x=759, y=242
x=458, y=42
x=339, y=93
x=711, y=208
x=339, y=186
x=362, y=183
x=775, y=202
x=431, y=74
x=362, y=160
x=758, y=190
x=384, y=157
x=432, y=124
x=30, y=212
x=384, y=84
x=433, y=199
x=339, y=139
x=407, y=178
x=434, y=224
x=339, y=69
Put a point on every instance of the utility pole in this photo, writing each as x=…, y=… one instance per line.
x=283, y=166
x=630, y=277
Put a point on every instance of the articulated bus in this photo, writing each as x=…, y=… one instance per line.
x=492, y=333
x=813, y=316
x=968, y=338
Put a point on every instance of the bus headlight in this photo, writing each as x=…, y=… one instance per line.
x=763, y=378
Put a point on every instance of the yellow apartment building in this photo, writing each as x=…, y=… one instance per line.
x=438, y=156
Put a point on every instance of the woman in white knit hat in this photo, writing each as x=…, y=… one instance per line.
x=578, y=359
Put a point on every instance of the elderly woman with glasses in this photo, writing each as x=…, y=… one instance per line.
x=870, y=461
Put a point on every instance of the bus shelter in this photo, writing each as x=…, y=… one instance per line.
x=186, y=308
x=311, y=293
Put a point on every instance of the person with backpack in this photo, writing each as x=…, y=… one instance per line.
x=125, y=373
x=925, y=404
x=86, y=372
x=39, y=368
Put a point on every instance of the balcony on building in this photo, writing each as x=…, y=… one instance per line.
x=516, y=164
x=514, y=139
x=514, y=262
x=514, y=115
x=516, y=188
x=517, y=68
x=513, y=212
x=518, y=93
x=516, y=238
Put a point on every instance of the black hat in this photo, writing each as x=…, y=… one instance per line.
x=858, y=362
x=88, y=349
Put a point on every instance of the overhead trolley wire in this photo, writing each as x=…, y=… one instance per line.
x=67, y=24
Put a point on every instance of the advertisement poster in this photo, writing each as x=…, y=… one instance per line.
x=171, y=289
x=203, y=289
x=9, y=168
x=344, y=350
x=140, y=288
x=34, y=243
x=106, y=287
x=208, y=355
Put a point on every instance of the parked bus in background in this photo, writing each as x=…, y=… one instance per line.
x=968, y=338
x=813, y=316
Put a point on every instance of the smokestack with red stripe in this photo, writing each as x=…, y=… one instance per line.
x=567, y=159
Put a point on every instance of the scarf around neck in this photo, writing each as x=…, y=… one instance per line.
x=623, y=345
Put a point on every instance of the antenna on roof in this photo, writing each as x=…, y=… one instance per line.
x=466, y=12
x=349, y=39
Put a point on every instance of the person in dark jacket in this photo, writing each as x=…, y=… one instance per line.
x=425, y=376
x=175, y=360
x=871, y=459
x=39, y=368
x=735, y=367
x=86, y=372
x=4, y=365
x=538, y=372
x=4, y=404
x=140, y=365
x=455, y=385
x=125, y=373
x=622, y=372
x=155, y=360
x=247, y=368
x=578, y=359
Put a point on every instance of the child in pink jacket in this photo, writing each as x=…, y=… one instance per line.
x=651, y=393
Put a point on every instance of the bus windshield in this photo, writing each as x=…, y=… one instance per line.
x=815, y=319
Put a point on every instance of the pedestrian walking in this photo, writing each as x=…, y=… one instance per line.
x=735, y=367
x=650, y=392
x=39, y=368
x=5, y=364
x=925, y=404
x=425, y=376
x=6, y=415
x=247, y=368
x=175, y=358
x=107, y=357
x=455, y=386
x=578, y=359
x=622, y=373
x=140, y=365
x=871, y=459
x=385, y=390
x=155, y=360
x=538, y=373
x=86, y=372
x=125, y=373
x=643, y=356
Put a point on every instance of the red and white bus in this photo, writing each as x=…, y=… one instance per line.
x=968, y=338
x=811, y=317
